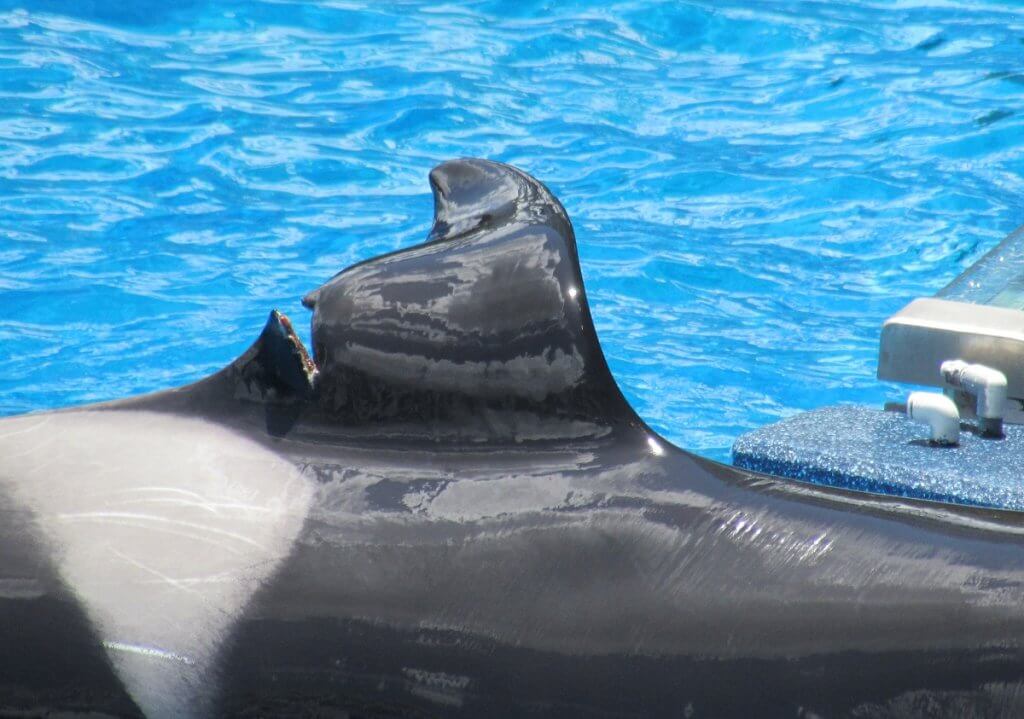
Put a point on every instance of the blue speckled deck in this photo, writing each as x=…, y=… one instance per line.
x=871, y=450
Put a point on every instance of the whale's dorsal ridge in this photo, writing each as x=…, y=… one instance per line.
x=487, y=317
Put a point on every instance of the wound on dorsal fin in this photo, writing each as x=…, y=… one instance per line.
x=277, y=363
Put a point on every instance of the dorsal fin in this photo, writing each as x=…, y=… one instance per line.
x=471, y=193
x=486, y=322
x=275, y=376
x=276, y=364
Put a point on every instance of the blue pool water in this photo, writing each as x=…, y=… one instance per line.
x=754, y=186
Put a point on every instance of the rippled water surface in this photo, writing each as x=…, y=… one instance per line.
x=754, y=186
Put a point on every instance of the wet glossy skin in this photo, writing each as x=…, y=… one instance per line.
x=493, y=532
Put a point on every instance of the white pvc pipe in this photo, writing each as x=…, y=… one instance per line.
x=939, y=412
x=985, y=384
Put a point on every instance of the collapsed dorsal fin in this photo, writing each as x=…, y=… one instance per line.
x=470, y=194
x=487, y=321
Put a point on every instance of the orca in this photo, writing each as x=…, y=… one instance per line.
x=450, y=509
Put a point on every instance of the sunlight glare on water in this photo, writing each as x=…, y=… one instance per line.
x=754, y=186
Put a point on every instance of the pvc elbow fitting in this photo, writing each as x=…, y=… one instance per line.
x=939, y=412
x=986, y=385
